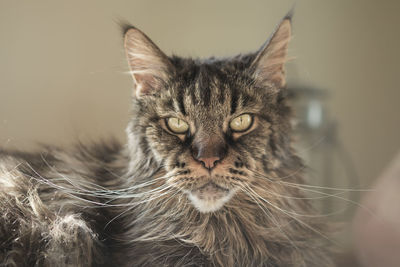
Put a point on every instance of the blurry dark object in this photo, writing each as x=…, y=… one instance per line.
x=328, y=163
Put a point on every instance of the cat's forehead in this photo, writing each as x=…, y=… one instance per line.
x=205, y=91
x=209, y=92
x=211, y=87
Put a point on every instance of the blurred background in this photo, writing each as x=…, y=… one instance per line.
x=63, y=75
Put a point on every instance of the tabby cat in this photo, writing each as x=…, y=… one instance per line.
x=208, y=177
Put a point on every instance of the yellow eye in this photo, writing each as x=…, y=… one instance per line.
x=177, y=126
x=241, y=123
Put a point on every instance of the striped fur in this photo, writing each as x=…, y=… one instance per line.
x=107, y=204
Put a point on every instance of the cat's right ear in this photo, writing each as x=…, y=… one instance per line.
x=149, y=66
x=270, y=59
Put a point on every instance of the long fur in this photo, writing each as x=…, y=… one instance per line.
x=47, y=217
x=107, y=204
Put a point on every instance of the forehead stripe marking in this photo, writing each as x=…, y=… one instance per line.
x=181, y=103
x=234, y=100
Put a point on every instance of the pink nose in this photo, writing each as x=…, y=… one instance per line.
x=209, y=163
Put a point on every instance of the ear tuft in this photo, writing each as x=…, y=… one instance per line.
x=149, y=66
x=125, y=27
x=270, y=60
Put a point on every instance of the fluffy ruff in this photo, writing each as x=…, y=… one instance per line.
x=85, y=208
x=152, y=203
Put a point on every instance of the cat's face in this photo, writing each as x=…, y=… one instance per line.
x=209, y=123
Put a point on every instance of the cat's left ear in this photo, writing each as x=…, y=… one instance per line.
x=149, y=66
x=270, y=59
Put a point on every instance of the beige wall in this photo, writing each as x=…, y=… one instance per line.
x=62, y=66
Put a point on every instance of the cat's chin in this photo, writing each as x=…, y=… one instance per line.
x=210, y=197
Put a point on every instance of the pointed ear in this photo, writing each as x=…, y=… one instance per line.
x=149, y=66
x=270, y=60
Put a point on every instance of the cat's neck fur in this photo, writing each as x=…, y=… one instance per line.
x=245, y=232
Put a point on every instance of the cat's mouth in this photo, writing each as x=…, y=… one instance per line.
x=210, y=197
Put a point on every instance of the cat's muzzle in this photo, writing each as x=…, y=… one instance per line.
x=210, y=197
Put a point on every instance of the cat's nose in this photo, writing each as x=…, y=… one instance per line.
x=209, y=163
x=209, y=151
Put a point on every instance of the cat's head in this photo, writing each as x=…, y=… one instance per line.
x=214, y=125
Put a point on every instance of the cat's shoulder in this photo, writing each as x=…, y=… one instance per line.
x=17, y=166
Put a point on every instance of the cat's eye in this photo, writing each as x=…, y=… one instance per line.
x=241, y=123
x=177, y=125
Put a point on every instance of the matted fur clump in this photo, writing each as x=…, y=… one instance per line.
x=208, y=177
